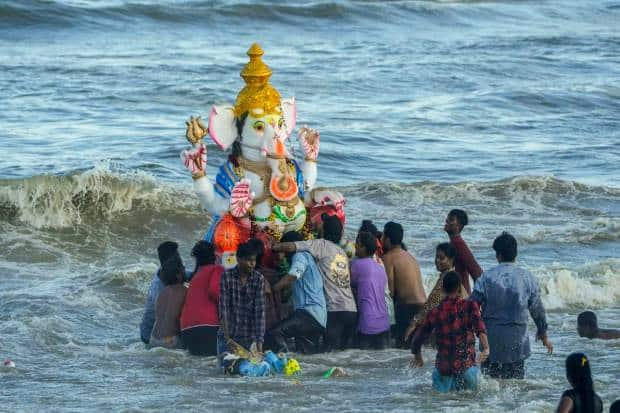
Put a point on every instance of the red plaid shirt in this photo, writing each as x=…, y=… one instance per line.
x=454, y=322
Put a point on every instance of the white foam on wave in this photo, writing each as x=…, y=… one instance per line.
x=64, y=201
x=594, y=285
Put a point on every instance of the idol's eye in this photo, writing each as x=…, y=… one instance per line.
x=259, y=126
x=280, y=122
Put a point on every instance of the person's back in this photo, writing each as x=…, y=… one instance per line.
x=202, y=298
x=308, y=292
x=334, y=266
x=581, y=398
x=507, y=293
x=165, y=250
x=168, y=310
x=169, y=305
x=408, y=286
x=454, y=322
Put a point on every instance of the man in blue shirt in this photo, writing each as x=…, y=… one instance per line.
x=307, y=323
x=506, y=293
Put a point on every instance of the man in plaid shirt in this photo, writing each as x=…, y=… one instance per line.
x=242, y=301
x=454, y=321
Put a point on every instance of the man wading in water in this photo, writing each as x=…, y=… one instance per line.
x=404, y=279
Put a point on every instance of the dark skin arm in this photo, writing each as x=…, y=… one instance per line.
x=287, y=247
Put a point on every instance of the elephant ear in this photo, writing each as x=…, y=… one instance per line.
x=222, y=126
x=289, y=112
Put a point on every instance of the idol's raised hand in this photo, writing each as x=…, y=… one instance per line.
x=310, y=142
x=195, y=160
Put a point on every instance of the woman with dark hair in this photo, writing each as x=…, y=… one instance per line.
x=581, y=398
x=445, y=255
x=200, y=317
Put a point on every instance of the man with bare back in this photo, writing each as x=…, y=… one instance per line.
x=404, y=279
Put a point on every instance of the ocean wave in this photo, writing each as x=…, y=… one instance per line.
x=594, y=285
x=76, y=13
x=93, y=196
x=102, y=195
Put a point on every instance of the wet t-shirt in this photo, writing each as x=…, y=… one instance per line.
x=334, y=267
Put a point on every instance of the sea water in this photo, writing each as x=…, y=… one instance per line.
x=509, y=110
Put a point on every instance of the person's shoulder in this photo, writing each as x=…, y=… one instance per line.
x=258, y=274
x=570, y=393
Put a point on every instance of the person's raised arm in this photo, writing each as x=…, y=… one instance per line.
x=286, y=247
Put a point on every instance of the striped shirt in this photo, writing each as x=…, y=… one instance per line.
x=242, y=307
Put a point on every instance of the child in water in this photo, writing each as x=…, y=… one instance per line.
x=587, y=326
x=581, y=398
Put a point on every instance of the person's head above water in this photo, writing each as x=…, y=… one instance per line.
x=445, y=253
x=579, y=375
x=455, y=222
x=246, y=258
x=505, y=247
x=166, y=250
x=332, y=228
x=365, y=245
x=615, y=407
x=451, y=283
x=172, y=271
x=392, y=235
x=204, y=253
x=587, y=325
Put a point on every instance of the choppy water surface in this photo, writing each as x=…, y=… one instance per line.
x=506, y=109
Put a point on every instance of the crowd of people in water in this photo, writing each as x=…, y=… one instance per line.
x=328, y=294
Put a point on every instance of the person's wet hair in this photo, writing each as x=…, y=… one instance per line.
x=204, y=253
x=506, y=246
x=394, y=232
x=332, y=229
x=246, y=250
x=615, y=407
x=292, y=236
x=587, y=318
x=579, y=375
x=460, y=215
x=451, y=282
x=166, y=250
x=368, y=226
x=172, y=271
x=368, y=241
x=447, y=249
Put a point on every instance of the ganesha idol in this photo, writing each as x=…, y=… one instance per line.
x=262, y=190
